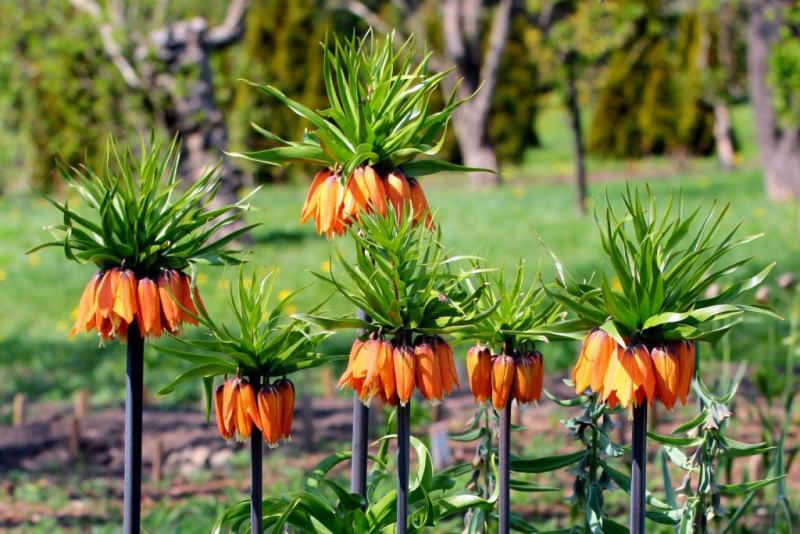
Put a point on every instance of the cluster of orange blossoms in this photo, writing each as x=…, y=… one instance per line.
x=334, y=206
x=390, y=371
x=238, y=408
x=114, y=298
x=633, y=374
x=519, y=376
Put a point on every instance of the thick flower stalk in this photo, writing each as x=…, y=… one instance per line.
x=143, y=233
x=368, y=142
x=254, y=359
x=505, y=366
x=644, y=325
x=641, y=346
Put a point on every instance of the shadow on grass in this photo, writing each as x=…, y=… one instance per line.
x=282, y=236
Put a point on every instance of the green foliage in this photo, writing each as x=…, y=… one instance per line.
x=264, y=340
x=483, y=471
x=378, y=114
x=664, y=265
x=517, y=314
x=650, y=98
x=141, y=220
x=402, y=280
x=281, y=46
x=57, y=90
x=784, y=73
x=325, y=506
x=712, y=454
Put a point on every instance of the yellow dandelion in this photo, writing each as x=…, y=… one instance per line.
x=2, y=274
x=223, y=284
x=291, y=308
x=34, y=260
x=325, y=266
x=284, y=293
x=62, y=326
x=201, y=279
x=74, y=313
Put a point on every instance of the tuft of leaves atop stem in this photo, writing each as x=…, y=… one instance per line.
x=139, y=217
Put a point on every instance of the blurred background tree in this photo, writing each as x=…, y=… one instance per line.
x=773, y=64
x=635, y=77
x=650, y=99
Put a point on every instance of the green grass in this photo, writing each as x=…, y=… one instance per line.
x=40, y=292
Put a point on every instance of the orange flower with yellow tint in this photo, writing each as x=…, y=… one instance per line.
x=334, y=205
x=635, y=374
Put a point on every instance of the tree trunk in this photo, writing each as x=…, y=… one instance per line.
x=185, y=76
x=573, y=106
x=779, y=149
x=172, y=69
x=476, y=149
x=461, y=22
x=723, y=136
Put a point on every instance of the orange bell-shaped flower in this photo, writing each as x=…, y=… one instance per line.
x=398, y=191
x=270, y=411
x=447, y=365
x=428, y=375
x=686, y=362
x=285, y=390
x=404, y=373
x=148, y=308
x=502, y=380
x=592, y=363
x=666, y=369
x=537, y=362
x=222, y=407
x=87, y=307
x=479, y=371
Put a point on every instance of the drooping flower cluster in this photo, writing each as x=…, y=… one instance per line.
x=519, y=375
x=114, y=298
x=391, y=370
x=633, y=374
x=334, y=206
x=271, y=410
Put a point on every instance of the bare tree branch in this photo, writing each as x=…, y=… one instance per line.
x=111, y=46
x=231, y=29
x=360, y=10
x=498, y=37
